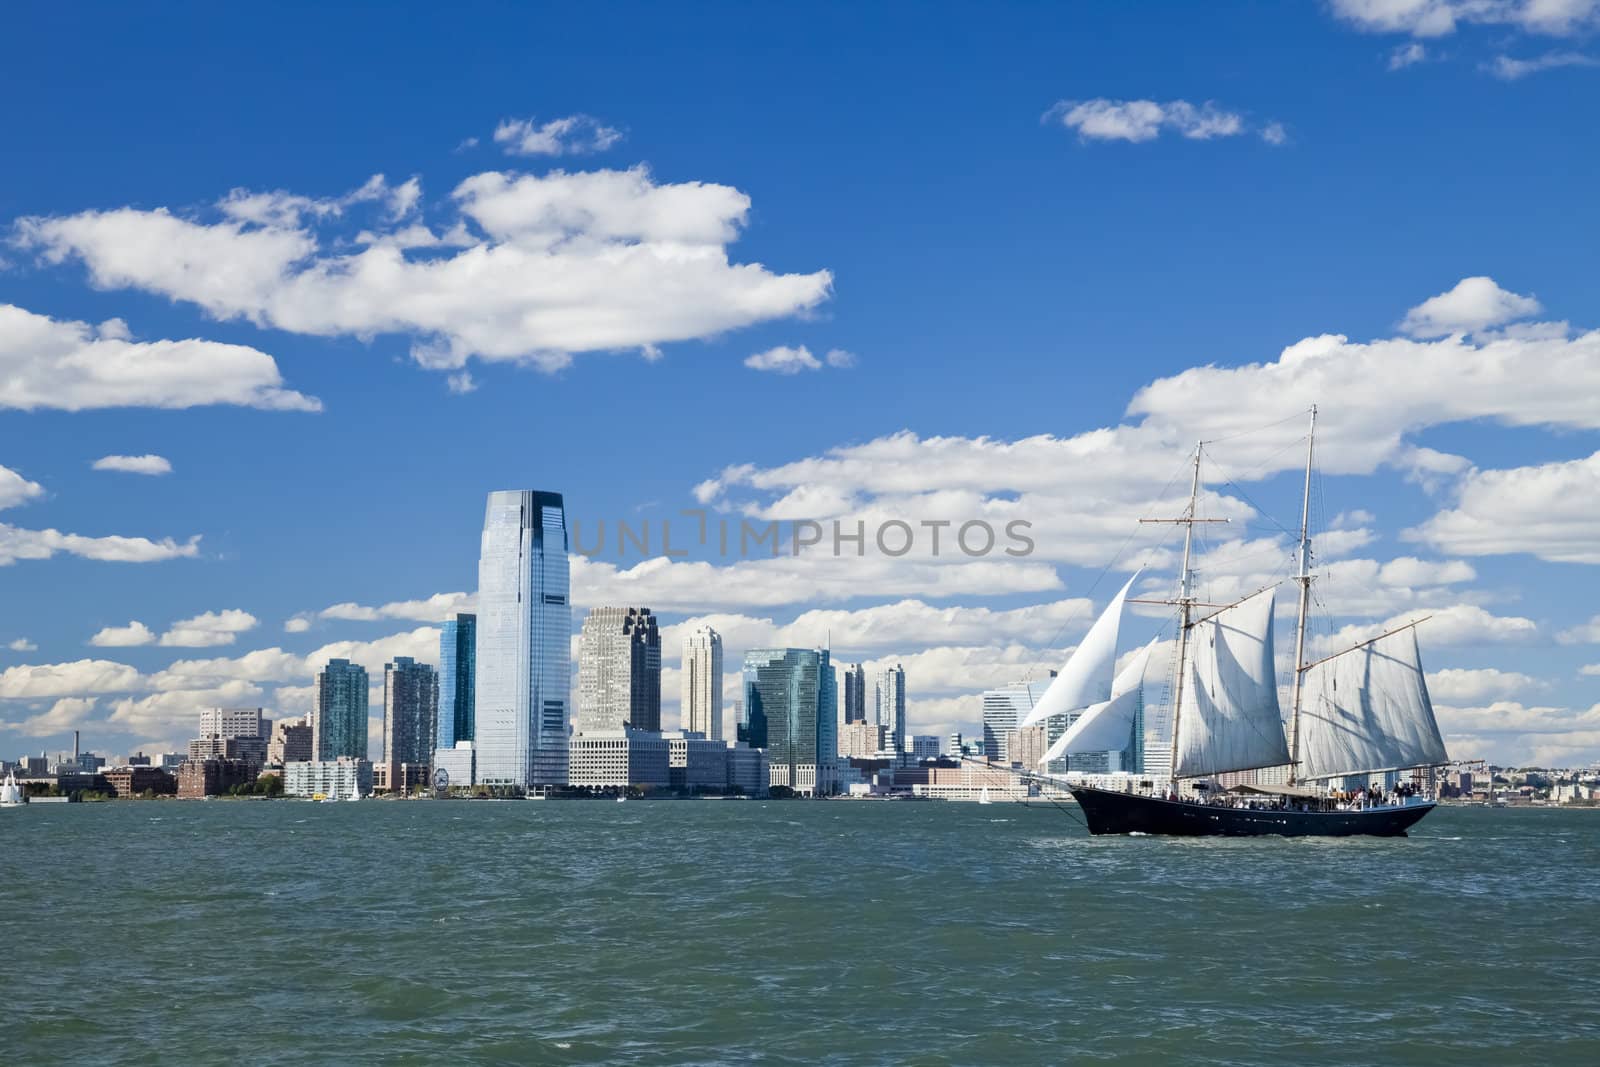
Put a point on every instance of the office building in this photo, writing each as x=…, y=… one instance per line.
x=459, y=764
x=410, y=719
x=855, y=694
x=924, y=746
x=233, y=722
x=616, y=759
x=210, y=777
x=248, y=750
x=619, y=671
x=339, y=717
x=892, y=706
x=697, y=763
x=747, y=771
x=458, y=650
x=1003, y=708
x=524, y=633
x=700, y=703
x=291, y=742
x=860, y=739
x=791, y=710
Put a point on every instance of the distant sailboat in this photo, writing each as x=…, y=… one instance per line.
x=11, y=793
x=1361, y=711
x=983, y=796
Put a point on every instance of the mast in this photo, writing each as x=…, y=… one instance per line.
x=1304, y=581
x=1185, y=606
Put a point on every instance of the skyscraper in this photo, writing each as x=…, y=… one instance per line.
x=790, y=709
x=524, y=656
x=410, y=715
x=700, y=707
x=619, y=671
x=458, y=640
x=339, y=718
x=855, y=694
x=892, y=705
x=1003, y=708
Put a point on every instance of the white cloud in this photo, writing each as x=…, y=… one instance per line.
x=1515, y=733
x=556, y=264
x=22, y=644
x=77, y=678
x=439, y=607
x=1457, y=626
x=1509, y=69
x=569, y=136
x=1551, y=511
x=1407, y=55
x=146, y=464
x=1590, y=670
x=1585, y=634
x=17, y=543
x=131, y=635
x=73, y=366
x=784, y=360
x=178, y=708
x=297, y=625
x=1470, y=686
x=838, y=357
x=461, y=383
x=209, y=629
x=15, y=489
x=1474, y=304
x=67, y=713
x=1101, y=119
x=1438, y=18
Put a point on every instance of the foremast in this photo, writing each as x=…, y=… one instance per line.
x=1303, y=579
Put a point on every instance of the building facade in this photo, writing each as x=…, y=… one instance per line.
x=617, y=759
x=924, y=746
x=339, y=718
x=458, y=655
x=619, y=671
x=892, y=706
x=524, y=631
x=855, y=694
x=410, y=715
x=791, y=711
x=1003, y=708
x=336, y=779
x=697, y=763
x=700, y=702
x=747, y=771
x=233, y=722
x=291, y=742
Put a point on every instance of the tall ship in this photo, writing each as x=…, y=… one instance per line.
x=1359, y=712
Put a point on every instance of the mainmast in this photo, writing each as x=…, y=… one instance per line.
x=1303, y=578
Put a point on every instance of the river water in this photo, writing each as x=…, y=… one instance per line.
x=667, y=932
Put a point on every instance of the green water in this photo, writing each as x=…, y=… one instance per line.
x=784, y=933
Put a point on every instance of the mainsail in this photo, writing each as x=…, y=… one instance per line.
x=1086, y=677
x=1108, y=725
x=1228, y=719
x=1368, y=710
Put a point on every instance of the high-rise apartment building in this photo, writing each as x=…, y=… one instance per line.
x=1003, y=708
x=291, y=742
x=855, y=694
x=619, y=671
x=892, y=706
x=339, y=716
x=458, y=651
x=524, y=632
x=410, y=715
x=791, y=709
x=234, y=722
x=700, y=706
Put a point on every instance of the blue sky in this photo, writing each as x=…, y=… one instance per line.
x=1023, y=223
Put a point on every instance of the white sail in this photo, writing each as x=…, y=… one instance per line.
x=1368, y=710
x=1108, y=725
x=1086, y=677
x=1228, y=719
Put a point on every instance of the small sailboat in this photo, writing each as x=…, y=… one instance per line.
x=983, y=796
x=11, y=793
x=1359, y=712
x=621, y=799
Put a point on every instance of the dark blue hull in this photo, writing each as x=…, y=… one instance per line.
x=1108, y=812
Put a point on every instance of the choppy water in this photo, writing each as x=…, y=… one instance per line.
x=731, y=932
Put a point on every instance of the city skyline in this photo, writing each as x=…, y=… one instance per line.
x=1126, y=260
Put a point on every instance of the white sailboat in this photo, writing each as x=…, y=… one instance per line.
x=983, y=796
x=11, y=793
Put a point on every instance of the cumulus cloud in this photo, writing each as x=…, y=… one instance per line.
x=17, y=544
x=1551, y=511
x=1407, y=55
x=80, y=677
x=529, y=268
x=784, y=360
x=1101, y=119
x=73, y=366
x=131, y=635
x=569, y=136
x=437, y=608
x=1474, y=685
x=1508, y=69
x=145, y=464
x=22, y=644
x=15, y=489
x=1438, y=18
x=1583, y=634
x=67, y=713
x=209, y=629
x=1457, y=626
x=1474, y=304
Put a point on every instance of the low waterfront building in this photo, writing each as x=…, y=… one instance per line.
x=339, y=778
x=402, y=778
x=251, y=750
x=616, y=759
x=747, y=771
x=133, y=780
x=459, y=763
x=969, y=781
x=210, y=777
x=697, y=763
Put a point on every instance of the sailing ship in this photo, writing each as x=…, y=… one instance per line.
x=1356, y=713
x=11, y=793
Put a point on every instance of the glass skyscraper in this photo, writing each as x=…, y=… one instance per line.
x=524, y=632
x=339, y=721
x=791, y=708
x=458, y=651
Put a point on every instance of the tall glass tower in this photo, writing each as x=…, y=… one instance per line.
x=791, y=708
x=339, y=721
x=524, y=632
x=458, y=650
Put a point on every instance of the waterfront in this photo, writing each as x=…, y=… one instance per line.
x=795, y=932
